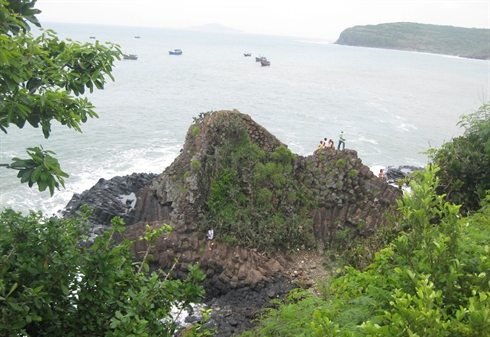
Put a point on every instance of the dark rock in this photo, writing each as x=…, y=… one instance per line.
x=110, y=198
x=399, y=172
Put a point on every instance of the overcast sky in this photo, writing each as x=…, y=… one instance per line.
x=319, y=19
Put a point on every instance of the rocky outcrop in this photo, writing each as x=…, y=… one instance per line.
x=394, y=173
x=334, y=196
x=109, y=198
x=344, y=195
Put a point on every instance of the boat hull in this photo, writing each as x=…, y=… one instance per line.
x=130, y=57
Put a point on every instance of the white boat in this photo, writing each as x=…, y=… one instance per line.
x=175, y=52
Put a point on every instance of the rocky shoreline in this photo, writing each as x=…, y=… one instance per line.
x=234, y=311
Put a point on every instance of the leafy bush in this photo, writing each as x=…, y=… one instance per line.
x=53, y=283
x=341, y=163
x=432, y=280
x=44, y=81
x=195, y=165
x=353, y=173
x=465, y=161
x=282, y=155
x=195, y=131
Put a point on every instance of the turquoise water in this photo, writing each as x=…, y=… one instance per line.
x=392, y=105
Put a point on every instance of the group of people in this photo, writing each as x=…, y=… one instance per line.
x=329, y=144
x=325, y=144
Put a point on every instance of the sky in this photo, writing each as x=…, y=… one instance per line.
x=316, y=19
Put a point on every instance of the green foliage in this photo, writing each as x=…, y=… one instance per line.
x=42, y=169
x=282, y=155
x=43, y=80
x=195, y=131
x=465, y=161
x=252, y=198
x=272, y=172
x=431, y=280
x=200, y=118
x=195, y=165
x=289, y=321
x=221, y=189
x=198, y=329
x=53, y=283
x=264, y=198
x=352, y=173
x=341, y=163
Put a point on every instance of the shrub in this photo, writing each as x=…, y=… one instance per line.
x=282, y=155
x=195, y=130
x=432, y=280
x=264, y=198
x=465, y=161
x=341, y=163
x=195, y=165
x=353, y=173
x=54, y=284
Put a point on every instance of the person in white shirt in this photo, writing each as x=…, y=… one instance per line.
x=210, y=238
x=341, y=140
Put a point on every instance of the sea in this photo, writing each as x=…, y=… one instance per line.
x=392, y=105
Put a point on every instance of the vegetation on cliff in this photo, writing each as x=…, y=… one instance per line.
x=432, y=280
x=447, y=40
x=257, y=194
x=261, y=217
x=429, y=276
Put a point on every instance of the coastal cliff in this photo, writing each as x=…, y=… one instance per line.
x=266, y=204
x=263, y=201
x=447, y=40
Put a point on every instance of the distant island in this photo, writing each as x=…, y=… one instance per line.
x=215, y=27
x=448, y=40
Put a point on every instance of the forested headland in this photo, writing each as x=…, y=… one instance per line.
x=436, y=39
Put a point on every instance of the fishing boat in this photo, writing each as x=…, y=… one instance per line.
x=130, y=56
x=136, y=37
x=247, y=54
x=175, y=52
x=260, y=58
x=92, y=37
x=265, y=62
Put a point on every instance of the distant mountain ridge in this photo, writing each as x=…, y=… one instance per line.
x=436, y=39
x=215, y=27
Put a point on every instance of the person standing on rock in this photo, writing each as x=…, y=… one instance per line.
x=210, y=238
x=341, y=140
x=382, y=174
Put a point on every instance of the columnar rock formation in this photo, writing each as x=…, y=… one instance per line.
x=342, y=194
x=233, y=170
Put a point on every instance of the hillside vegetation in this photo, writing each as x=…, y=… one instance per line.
x=429, y=279
x=447, y=40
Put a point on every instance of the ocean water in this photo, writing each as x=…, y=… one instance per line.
x=392, y=105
